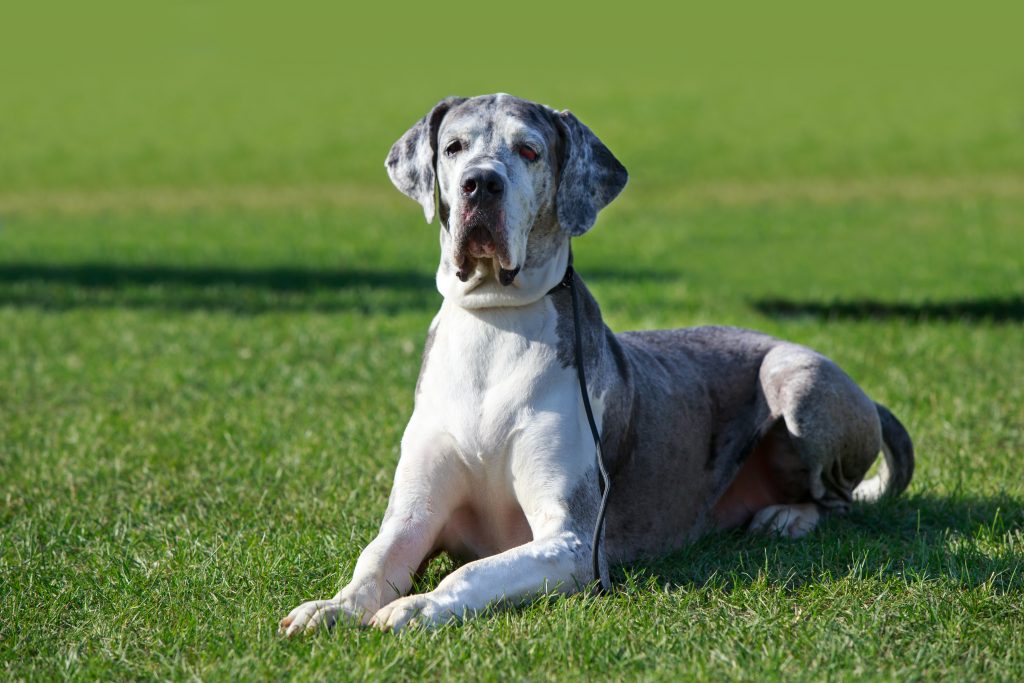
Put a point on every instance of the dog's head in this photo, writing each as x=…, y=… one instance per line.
x=515, y=180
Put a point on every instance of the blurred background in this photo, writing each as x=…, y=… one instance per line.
x=116, y=108
x=188, y=94
x=212, y=301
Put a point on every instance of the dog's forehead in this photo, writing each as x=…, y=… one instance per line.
x=501, y=114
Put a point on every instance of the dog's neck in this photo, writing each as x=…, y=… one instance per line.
x=483, y=290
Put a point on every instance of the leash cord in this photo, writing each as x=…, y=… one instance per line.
x=604, y=483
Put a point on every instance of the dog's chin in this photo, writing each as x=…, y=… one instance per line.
x=480, y=285
x=479, y=269
x=482, y=252
x=481, y=282
x=483, y=286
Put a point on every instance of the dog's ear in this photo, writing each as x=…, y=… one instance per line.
x=591, y=177
x=412, y=160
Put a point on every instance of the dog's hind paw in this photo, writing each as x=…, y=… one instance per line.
x=790, y=521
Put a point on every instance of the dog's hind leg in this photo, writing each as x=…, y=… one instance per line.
x=830, y=425
x=823, y=437
x=773, y=477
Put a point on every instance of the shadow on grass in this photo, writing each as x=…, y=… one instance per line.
x=104, y=275
x=239, y=290
x=958, y=540
x=1000, y=310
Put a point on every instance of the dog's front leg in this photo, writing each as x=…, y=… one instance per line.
x=426, y=484
x=561, y=507
x=559, y=562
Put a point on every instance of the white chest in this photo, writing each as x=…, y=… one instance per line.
x=486, y=373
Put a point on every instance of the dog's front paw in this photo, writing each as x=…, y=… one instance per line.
x=412, y=610
x=312, y=615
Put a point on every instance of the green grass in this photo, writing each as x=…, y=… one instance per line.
x=212, y=308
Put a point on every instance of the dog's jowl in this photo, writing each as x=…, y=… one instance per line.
x=702, y=429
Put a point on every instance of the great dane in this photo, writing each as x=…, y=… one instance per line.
x=702, y=429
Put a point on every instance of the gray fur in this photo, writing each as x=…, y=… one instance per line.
x=901, y=448
x=684, y=409
x=591, y=176
x=582, y=506
x=412, y=159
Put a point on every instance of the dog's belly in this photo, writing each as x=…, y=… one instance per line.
x=476, y=531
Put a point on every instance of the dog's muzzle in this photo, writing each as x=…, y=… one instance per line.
x=482, y=236
x=480, y=241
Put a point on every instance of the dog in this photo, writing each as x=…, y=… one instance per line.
x=702, y=429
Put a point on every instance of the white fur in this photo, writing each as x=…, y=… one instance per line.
x=499, y=435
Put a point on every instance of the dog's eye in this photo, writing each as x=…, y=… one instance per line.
x=453, y=148
x=528, y=153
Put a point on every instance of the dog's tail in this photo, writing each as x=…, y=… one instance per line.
x=897, y=467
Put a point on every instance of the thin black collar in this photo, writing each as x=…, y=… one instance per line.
x=566, y=281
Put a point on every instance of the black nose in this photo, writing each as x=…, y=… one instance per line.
x=481, y=184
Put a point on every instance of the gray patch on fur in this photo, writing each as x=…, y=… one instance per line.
x=583, y=505
x=412, y=160
x=546, y=238
x=902, y=449
x=591, y=176
x=427, y=345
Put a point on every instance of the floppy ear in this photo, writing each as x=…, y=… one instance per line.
x=412, y=160
x=591, y=176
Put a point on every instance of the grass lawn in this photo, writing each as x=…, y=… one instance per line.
x=213, y=305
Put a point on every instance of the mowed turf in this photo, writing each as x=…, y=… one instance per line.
x=213, y=305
